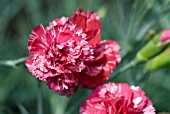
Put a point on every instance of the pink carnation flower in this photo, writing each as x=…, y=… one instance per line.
x=69, y=53
x=117, y=98
x=165, y=36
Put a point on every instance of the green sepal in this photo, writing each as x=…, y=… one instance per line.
x=158, y=62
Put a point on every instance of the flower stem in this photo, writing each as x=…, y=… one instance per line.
x=13, y=63
x=123, y=69
x=39, y=99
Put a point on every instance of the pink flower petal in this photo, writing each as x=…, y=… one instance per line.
x=165, y=36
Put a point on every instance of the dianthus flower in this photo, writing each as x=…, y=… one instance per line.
x=69, y=52
x=117, y=98
x=56, y=53
x=106, y=58
x=106, y=52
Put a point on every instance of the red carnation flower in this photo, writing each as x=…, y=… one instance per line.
x=106, y=58
x=60, y=50
x=69, y=53
x=165, y=36
x=106, y=53
x=117, y=98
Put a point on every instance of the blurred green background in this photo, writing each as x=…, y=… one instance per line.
x=126, y=21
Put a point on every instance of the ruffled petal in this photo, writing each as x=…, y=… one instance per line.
x=87, y=81
x=90, y=24
x=64, y=84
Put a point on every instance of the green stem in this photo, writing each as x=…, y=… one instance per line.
x=39, y=99
x=123, y=69
x=22, y=109
x=13, y=63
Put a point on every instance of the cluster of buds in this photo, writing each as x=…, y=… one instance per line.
x=156, y=52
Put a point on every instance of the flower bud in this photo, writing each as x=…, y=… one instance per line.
x=150, y=49
x=159, y=61
x=165, y=38
x=154, y=46
x=102, y=11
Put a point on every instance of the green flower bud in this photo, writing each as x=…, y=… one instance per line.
x=159, y=61
x=150, y=49
x=102, y=11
